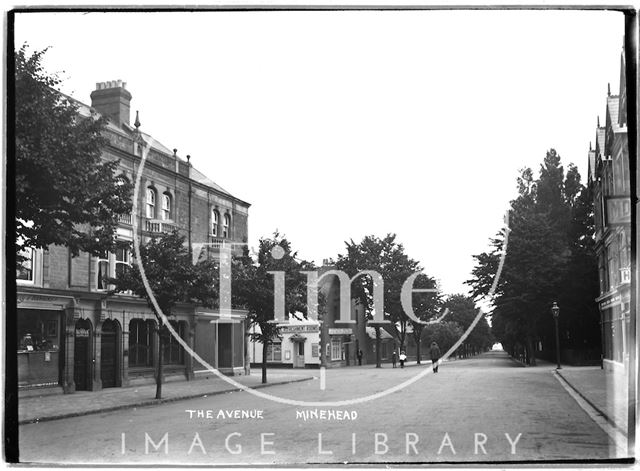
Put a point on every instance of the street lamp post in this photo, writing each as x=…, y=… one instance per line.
x=555, y=310
x=377, y=326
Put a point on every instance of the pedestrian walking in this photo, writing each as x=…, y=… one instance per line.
x=393, y=358
x=403, y=357
x=359, y=357
x=435, y=356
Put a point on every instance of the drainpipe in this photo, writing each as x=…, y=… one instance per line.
x=189, y=197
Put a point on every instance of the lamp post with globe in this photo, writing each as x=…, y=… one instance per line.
x=555, y=310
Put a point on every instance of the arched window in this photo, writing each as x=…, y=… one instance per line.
x=166, y=206
x=215, y=220
x=151, y=203
x=226, y=225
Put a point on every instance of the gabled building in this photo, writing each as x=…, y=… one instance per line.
x=609, y=179
x=72, y=335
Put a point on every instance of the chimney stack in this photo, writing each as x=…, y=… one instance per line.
x=111, y=99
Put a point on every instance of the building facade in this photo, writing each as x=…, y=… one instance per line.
x=609, y=178
x=343, y=340
x=73, y=335
x=298, y=346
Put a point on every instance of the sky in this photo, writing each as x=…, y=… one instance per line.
x=336, y=125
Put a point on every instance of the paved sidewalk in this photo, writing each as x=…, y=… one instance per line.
x=605, y=391
x=58, y=406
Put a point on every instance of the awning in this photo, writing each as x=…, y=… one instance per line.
x=371, y=332
x=298, y=338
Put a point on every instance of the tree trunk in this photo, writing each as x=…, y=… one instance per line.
x=247, y=355
x=377, y=347
x=417, y=349
x=160, y=366
x=265, y=345
x=531, y=356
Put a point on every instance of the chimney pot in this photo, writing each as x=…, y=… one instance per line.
x=113, y=101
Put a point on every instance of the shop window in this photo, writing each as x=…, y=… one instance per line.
x=173, y=353
x=166, y=206
x=336, y=349
x=215, y=220
x=38, y=331
x=314, y=350
x=226, y=225
x=274, y=352
x=141, y=343
x=25, y=269
x=151, y=203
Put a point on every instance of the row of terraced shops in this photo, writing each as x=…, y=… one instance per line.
x=72, y=333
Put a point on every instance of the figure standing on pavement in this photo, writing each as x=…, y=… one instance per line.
x=393, y=358
x=403, y=357
x=435, y=356
x=359, y=357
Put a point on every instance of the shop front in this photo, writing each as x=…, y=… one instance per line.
x=220, y=340
x=341, y=347
x=615, y=316
x=298, y=346
x=301, y=343
x=39, y=348
x=41, y=338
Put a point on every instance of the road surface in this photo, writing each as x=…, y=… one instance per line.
x=484, y=409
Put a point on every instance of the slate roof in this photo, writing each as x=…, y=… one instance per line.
x=592, y=164
x=85, y=111
x=202, y=178
x=613, y=103
x=600, y=135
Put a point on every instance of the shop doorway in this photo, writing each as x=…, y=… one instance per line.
x=82, y=356
x=109, y=354
x=225, y=359
x=347, y=352
x=298, y=354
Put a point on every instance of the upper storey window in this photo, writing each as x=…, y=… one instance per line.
x=24, y=271
x=215, y=220
x=166, y=206
x=151, y=203
x=226, y=225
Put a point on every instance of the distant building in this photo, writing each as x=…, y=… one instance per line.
x=71, y=334
x=298, y=346
x=343, y=340
x=609, y=180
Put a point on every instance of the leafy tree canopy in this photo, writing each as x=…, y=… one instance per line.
x=254, y=287
x=550, y=248
x=66, y=194
x=388, y=258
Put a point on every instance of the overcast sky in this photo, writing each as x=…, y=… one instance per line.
x=335, y=125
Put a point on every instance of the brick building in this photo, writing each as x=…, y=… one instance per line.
x=71, y=334
x=342, y=340
x=609, y=178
